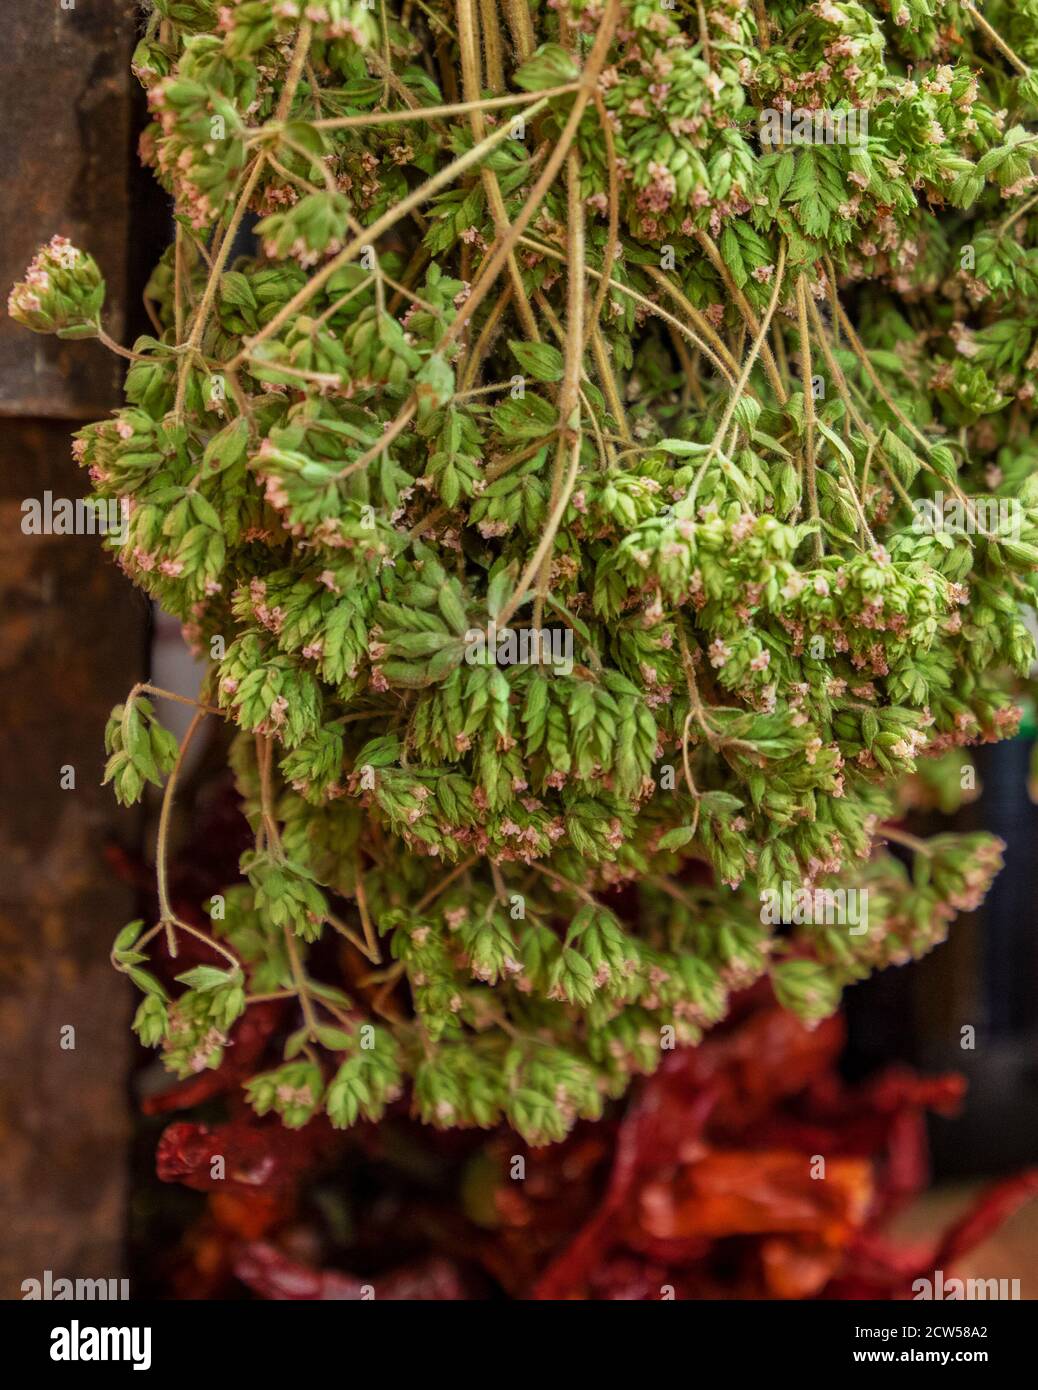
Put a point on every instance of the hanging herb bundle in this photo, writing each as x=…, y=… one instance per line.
x=569, y=332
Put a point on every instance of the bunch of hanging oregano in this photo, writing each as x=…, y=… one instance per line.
x=580, y=480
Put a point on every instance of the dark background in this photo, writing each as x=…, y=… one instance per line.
x=73, y=639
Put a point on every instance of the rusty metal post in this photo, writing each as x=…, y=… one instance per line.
x=72, y=641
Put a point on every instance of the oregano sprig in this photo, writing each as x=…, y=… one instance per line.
x=596, y=466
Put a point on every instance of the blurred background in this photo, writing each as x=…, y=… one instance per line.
x=76, y=1160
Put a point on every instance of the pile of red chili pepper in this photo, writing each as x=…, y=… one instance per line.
x=745, y=1168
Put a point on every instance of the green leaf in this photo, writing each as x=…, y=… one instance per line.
x=311, y=139
x=129, y=934
x=539, y=360
x=549, y=66
x=147, y=982
x=684, y=448
x=720, y=804
x=677, y=838
x=206, y=977
x=226, y=449
x=434, y=384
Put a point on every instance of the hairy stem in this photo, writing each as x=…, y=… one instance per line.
x=807, y=382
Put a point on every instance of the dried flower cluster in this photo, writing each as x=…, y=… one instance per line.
x=542, y=333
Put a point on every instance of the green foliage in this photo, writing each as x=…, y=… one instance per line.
x=364, y=463
x=292, y=1091
x=367, y=1081
x=140, y=749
